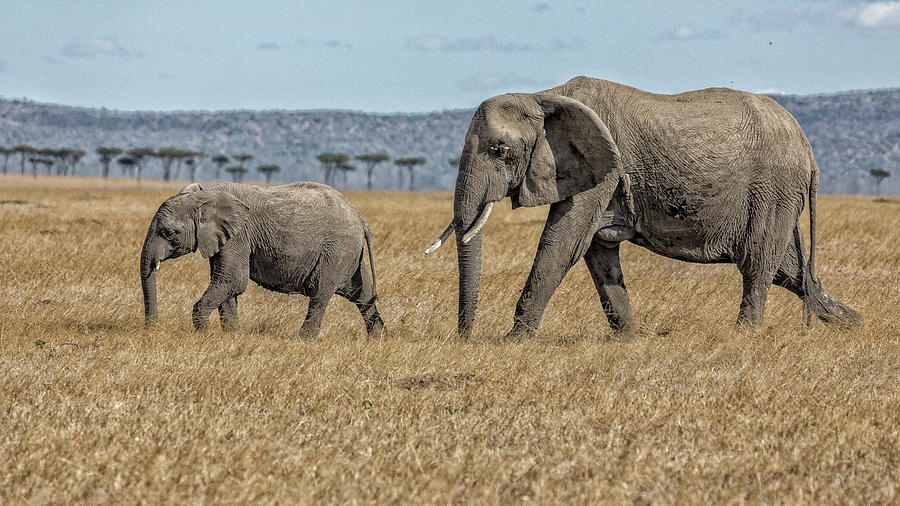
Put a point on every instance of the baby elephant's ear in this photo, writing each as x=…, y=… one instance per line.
x=191, y=188
x=218, y=217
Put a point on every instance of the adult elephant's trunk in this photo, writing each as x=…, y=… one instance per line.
x=469, y=209
x=469, y=258
x=149, y=266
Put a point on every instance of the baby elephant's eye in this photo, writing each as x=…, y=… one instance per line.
x=168, y=233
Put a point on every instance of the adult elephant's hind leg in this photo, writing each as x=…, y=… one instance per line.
x=768, y=239
x=606, y=271
x=794, y=275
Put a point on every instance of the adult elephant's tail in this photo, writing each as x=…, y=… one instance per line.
x=368, y=235
x=813, y=190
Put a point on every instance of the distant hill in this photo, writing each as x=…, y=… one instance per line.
x=850, y=132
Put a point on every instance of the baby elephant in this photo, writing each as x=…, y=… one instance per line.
x=297, y=238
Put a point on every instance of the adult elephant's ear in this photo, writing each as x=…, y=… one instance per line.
x=218, y=216
x=575, y=153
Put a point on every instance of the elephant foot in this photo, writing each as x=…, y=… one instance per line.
x=832, y=311
x=375, y=330
x=306, y=334
x=200, y=321
x=520, y=333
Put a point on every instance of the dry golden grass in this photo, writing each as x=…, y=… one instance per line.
x=95, y=408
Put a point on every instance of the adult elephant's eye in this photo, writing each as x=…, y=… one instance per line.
x=499, y=149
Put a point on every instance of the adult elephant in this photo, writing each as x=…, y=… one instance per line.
x=708, y=176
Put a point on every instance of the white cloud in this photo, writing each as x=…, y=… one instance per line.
x=507, y=82
x=441, y=43
x=688, y=32
x=879, y=15
x=771, y=91
x=107, y=46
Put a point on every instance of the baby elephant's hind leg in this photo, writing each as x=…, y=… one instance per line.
x=359, y=291
x=318, y=302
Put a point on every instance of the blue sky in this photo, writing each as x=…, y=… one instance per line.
x=417, y=56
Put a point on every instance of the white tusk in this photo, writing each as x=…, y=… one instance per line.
x=479, y=223
x=440, y=240
x=157, y=267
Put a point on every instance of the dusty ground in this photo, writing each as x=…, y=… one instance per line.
x=96, y=408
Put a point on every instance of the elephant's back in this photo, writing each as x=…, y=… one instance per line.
x=313, y=203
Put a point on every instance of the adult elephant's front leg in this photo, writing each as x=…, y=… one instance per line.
x=567, y=235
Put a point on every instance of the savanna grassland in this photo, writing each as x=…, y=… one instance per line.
x=96, y=408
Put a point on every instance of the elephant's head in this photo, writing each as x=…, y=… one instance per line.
x=193, y=220
x=535, y=148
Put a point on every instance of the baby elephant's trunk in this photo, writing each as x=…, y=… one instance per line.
x=148, y=286
x=149, y=265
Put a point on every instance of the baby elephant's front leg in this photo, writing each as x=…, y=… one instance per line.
x=216, y=296
x=228, y=279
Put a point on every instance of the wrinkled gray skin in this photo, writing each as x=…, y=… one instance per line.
x=297, y=238
x=709, y=176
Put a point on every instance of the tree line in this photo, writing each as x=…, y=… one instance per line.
x=132, y=163
x=339, y=163
x=63, y=159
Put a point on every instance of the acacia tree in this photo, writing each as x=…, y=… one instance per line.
x=74, y=156
x=242, y=159
x=24, y=151
x=408, y=164
x=168, y=156
x=64, y=157
x=106, y=156
x=345, y=168
x=138, y=154
x=237, y=173
x=192, y=160
x=61, y=156
x=371, y=160
x=40, y=157
x=127, y=163
x=220, y=161
x=6, y=153
x=879, y=175
x=268, y=170
x=331, y=162
x=46, y=162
